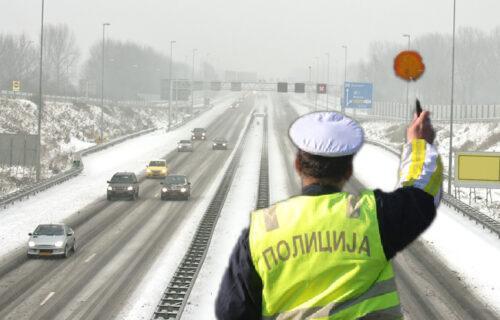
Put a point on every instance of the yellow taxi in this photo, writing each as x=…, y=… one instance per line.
x=157, y=169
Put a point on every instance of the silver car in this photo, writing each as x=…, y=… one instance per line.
x=184, y=145
x=51, y=240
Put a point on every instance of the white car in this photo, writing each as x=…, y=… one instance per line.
x=51, y=240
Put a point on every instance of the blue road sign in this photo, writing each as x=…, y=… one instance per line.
x=358, y=95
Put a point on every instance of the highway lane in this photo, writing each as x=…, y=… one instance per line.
x=117, y=241
x=428, y=288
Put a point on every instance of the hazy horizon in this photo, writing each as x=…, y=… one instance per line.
x=277, y=39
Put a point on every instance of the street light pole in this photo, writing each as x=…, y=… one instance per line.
x=170, y=87
x=101, y=137
x=38, y=158
x=450, y=154
x=327, y=78
x=317, y=80
x=192, y=83
x=408, y=83
x=345, y=77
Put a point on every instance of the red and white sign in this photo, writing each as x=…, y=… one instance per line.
x=16, y=85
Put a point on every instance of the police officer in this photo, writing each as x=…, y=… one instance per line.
x=327, y=254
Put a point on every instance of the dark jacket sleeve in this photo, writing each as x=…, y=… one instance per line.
x=402, y=216
x=240, y=292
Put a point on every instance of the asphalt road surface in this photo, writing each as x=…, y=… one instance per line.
x=117, y=240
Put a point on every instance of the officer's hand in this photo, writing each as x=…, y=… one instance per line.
x=421, y=128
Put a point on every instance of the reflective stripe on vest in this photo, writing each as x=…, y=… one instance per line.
x=321, y=257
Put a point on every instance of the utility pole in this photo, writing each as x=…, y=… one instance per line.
x=450, y=154
x=101, y=138
x=40, y=101
x=327, y=78
x=171, y=83
x=408, y=84
x=317, y=81
x=192, y=83
x=345, y=78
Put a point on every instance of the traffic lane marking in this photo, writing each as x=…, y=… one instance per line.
x=90, y=258
x=47, y=298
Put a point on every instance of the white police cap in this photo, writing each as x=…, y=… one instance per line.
x=328, y=134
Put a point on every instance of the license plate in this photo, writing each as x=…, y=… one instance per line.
x=45, y=253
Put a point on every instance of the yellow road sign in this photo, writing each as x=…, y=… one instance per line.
x=16, y=85
x=477, y=169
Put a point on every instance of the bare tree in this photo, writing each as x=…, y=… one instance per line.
x=60, y=56
x=18, y=61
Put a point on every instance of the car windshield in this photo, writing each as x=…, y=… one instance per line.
x=175, y=180
x=220, y=140
x=185, y=141
x=199, y=130
x=122, y=179
x=49, y=230
x=157, y=163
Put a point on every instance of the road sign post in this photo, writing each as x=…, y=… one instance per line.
x=358, y=95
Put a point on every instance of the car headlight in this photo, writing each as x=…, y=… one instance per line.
x=130, y=188
x=164, y=189
x=183, y=189
x=223, y=144
x=179, y=147
x=215, y=144
x=203, y=134
x=110, y=188
x=164, y=170
x=31, y=244
x=148, y=170
x=59, y=244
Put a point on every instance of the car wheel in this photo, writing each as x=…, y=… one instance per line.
x=66, y=252
x=73, y=248
x=109, y=197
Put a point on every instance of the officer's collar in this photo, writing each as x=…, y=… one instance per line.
x=317, y=190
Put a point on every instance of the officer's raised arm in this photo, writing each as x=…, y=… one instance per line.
x=421, y=165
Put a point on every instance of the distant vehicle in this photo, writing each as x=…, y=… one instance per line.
x=184, y=145
x=198, y=134
x=219, y=143
x=51, y=240
x=157, y=169
x=259, y=114
x=123, y=184
x=175, y=186
x=235, y=105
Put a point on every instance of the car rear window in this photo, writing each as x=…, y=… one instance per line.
x=157, y=163
x=175, y=180
x=49, y=230
x=121, y=179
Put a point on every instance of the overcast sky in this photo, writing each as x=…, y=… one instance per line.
x=276, y=38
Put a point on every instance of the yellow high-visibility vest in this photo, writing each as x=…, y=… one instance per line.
x=321, y=257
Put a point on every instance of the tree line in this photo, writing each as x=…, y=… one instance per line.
x=477, y=68
x=131, y=69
